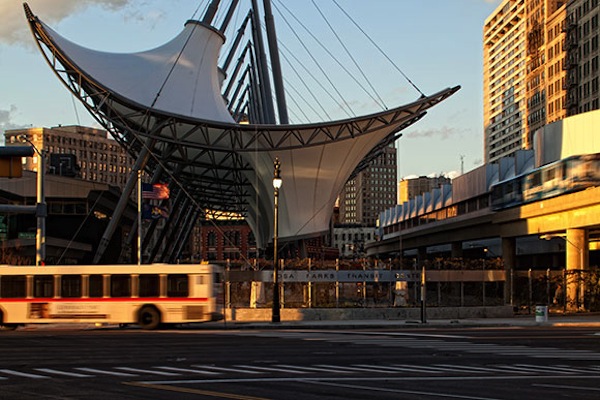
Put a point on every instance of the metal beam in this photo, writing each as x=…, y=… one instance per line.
x=275, y=63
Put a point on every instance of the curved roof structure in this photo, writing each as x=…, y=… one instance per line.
x=167, y=102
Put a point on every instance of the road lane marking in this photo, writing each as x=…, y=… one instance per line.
x=315, y=369
x=103, y=372
x=179, y=389
x=513, y=368
x=423, y=368
x=402, y=368
x=549, y=368
x=269, y=369
x=371, y=379
x=353, y=368
x=194, y=371
x=146, y=371
x=404, y=391
x=64, y=373
x=23, y=374
x=428, y=341
x=468, y=368
x=431, y=335
x=223, y=369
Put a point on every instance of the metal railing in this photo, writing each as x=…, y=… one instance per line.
x=359, y=283
x=550, y=287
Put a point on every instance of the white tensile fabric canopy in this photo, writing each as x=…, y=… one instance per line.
x=180, y=82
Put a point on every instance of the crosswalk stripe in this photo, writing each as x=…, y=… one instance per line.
x=22, y=374
x=270, y=369
x=523, y=369
x=314, y=369
x=515, y=368
x=402, y=369
x=429, y=341
x=64, y=373
x=420, y=368
x=194, y=371
x=548, y=368
x=226, y=369
x=377, y=368
x=468, y=368
x=473, y=347
x=146, y=371
x=352, y=368
x=103, y=372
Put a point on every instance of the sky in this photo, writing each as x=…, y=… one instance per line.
x=434, y=43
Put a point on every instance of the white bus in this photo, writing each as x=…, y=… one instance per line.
x=147, y=295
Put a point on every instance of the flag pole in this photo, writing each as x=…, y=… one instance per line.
x=139, y=227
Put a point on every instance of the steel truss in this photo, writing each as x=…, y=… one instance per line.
x=209, y=160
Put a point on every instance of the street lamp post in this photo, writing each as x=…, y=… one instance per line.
x=277, y=181
x=41, y=209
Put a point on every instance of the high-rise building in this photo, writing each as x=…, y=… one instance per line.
x=525, y=72
x=582, y=56
x=412, y=187
x=371, y=191
x=77, y=151
x=504, y=79
x=556, y=73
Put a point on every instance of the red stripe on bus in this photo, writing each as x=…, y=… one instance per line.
x=104, y=300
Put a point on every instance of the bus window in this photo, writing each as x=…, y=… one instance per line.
x=95, y=282
x=43, y=286
x=177, y=286
x=70, y=286
x=13, y=286
x=149, y=285
x=120, y=286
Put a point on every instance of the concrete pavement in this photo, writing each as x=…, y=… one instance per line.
x=554, y=320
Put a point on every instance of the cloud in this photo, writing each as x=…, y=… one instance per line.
x=442, y=133
x=452, y=174
x=6, y=122
x=13, y=25
x=151, y=17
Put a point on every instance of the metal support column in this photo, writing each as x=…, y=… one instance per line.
x=115, y=219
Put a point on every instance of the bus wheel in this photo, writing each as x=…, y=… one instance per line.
x=9, y=327
x=149, y=318
x=6, y=327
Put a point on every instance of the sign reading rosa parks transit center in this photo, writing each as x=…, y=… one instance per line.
x=373, y=276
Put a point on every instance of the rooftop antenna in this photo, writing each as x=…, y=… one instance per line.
x=462, y=164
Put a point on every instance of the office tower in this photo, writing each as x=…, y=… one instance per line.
x=77, y=151
x=371, y=191
x=412, y=187
x=529, y=68
x=582, y=54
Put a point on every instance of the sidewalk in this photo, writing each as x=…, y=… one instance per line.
x=575, y=320
x=590, y=320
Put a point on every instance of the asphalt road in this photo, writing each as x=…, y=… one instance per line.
x=466, y=363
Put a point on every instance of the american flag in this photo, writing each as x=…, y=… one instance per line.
x=156, y=191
